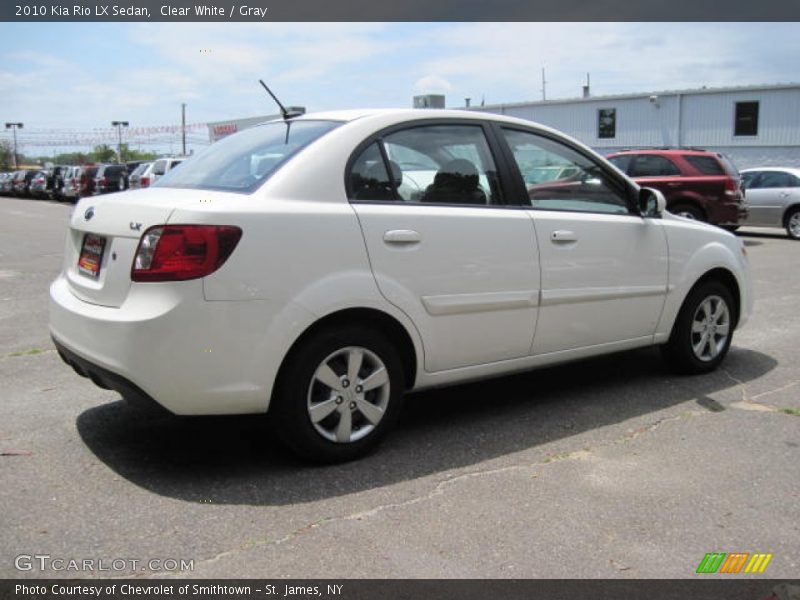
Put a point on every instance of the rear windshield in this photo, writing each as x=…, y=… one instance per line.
x=141, y=168
x=243, y=161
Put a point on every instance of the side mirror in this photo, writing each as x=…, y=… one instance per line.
x=651, y=203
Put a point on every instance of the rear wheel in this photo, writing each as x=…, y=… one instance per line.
x=339, y=394
x=793, y=223
x=688, y=211
x=702, y=333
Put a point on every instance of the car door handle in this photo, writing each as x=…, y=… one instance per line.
x=562, y=235
x=785, y=194
x=401, y=236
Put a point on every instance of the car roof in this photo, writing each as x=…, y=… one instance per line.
x=793, y=170
x=667, y=151
x=401, y=115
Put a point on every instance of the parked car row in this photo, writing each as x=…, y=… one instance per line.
x=70, y=183
x=706, y=186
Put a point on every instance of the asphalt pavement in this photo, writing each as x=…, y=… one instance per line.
x=606, y=468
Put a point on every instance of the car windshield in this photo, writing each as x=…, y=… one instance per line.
x=243, y=161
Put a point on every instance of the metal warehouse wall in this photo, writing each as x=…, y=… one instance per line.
x=705, y=119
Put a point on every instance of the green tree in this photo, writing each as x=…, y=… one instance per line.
x=103, y=154
x=130, y=154
x=6, y=155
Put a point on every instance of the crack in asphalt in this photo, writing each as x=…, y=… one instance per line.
x=443, y=485
x=748, y=399
x=440, y=488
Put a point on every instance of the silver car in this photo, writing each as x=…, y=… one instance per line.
x=153, y=171
x=72, y=184
x=773, y=198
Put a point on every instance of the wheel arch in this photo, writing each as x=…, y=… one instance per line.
x=788, y=211
x=395, y=332
x=726, y=278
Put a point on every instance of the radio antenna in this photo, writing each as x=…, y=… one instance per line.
x=286, y=114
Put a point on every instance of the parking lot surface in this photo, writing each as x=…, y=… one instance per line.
x=607, y=468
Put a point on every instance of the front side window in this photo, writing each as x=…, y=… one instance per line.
x=160, y=167
x=429, y=164
x=243, y=161
x=746, y=119
x=607, y=123
x=775, y=179
x=652, y=165
x=578, y=183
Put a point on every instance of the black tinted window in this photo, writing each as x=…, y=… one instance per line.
x=652, y=165
x=775, y=179
x=607, y=123
x=746, y=118
x=369, y=179
x=621, y=162
x=707, y=165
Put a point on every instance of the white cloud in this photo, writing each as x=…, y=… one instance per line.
x=432, y=84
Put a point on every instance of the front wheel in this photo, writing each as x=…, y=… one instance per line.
x=339, y=394
x=701, y=336
x=793, y=224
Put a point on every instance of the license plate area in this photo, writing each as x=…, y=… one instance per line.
x=91, y=256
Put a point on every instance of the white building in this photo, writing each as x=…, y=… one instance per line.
x=754, y=125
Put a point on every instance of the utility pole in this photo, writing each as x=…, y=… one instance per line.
x=119, y=125
x=544, y=86
x=183, y=127
x=14, y=127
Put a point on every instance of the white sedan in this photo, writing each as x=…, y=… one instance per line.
x=319, y=267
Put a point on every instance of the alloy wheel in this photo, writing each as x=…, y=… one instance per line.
x=348, y=394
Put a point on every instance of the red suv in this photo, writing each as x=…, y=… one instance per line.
x=697, y=184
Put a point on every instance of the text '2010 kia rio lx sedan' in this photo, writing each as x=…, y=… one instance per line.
x=318, y=267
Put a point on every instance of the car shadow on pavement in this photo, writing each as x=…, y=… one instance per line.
x=232, y=460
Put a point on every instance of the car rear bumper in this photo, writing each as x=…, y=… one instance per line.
x=728, y=212
x=169, y=345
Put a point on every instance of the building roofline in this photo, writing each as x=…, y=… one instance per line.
x=690, y=91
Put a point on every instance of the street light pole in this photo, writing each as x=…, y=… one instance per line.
x=119, y=125
x=183, y=126
x=14, y=127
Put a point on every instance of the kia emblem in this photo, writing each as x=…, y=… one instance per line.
x=89, y=213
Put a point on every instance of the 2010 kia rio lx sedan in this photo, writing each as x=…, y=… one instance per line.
x=318, y=267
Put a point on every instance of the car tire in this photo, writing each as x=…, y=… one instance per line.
x=688, y=211
x=793, y=223
x=320, y=409
x=702, y=333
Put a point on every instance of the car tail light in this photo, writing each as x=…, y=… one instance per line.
x=731, y=187
x=181, y=252
x=144, y=181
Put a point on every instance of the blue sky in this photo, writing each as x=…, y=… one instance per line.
x=81, y=76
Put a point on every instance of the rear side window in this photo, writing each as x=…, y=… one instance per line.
x=431, y=164
x=707, y=165
x=653, y=165
x=243, y=161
